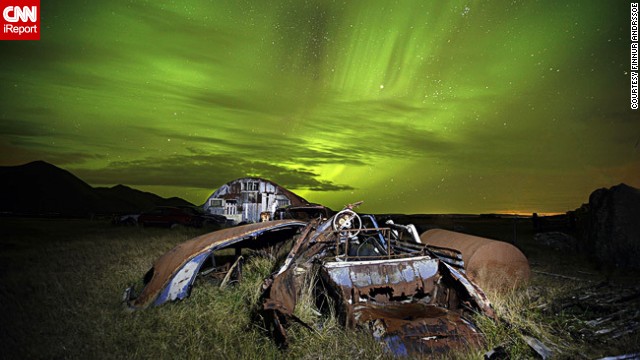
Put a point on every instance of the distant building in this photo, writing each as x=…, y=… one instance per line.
x=246, y=199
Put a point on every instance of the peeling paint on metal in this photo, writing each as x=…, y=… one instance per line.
x=168, y=265
x=178, y=287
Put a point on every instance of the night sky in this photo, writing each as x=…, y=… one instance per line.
x=412, y=106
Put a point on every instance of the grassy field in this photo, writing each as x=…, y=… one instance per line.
x=61, y=283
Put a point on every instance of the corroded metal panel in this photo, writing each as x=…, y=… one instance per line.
x=402, y=276
x=180, y=284
x=169, y=265
x=490, y=263
x=411, y=304
x=251, y=196
x=417, y=328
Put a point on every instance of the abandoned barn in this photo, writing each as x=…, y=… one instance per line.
x=247, y=199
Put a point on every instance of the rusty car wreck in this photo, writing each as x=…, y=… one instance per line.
x=413, y=297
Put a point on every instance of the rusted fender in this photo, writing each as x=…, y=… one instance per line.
x=490, y=263
x=174, y=272
x=278, y=303
x=417, y=329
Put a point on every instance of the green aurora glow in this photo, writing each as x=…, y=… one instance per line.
x=412, y=106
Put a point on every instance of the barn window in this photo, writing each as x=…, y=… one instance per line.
x=216, y=202
x=253, y=186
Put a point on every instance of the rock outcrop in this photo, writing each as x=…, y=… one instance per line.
x=609, y=226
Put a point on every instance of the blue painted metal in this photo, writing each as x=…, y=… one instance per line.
x=396, y=345
x=178, y=287
x=361, y=274
x=375, y=225
x=184, y=265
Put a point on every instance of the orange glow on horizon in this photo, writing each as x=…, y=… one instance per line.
x=524, y=213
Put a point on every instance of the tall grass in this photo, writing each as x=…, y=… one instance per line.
x=60, y=297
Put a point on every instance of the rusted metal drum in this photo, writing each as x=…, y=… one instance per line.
x=490, y=263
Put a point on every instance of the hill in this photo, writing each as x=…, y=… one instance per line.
x=133, y=200
x=40, y=188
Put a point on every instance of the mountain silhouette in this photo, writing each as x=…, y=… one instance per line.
x=40, y=188
x=133, y=200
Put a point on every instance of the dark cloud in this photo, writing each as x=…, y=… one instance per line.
x=368, y=139
x=239, y=102
x=194, y=141
x=278, y=148
x=392, y=106
x=21, y=128
x=203, y=171
x=36, y=136
x=18, y=155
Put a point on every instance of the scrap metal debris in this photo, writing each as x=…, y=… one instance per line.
x=604, y=312
x=622, y=357
x=540, y=348
x=415, y=299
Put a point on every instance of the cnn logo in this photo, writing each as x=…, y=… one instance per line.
x=20, y=20
x=14, y=14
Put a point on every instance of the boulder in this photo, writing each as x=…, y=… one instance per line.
x=610, y=226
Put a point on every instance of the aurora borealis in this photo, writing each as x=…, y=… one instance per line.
x=412, y=106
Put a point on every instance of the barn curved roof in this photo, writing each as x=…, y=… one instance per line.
x=294, y=198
